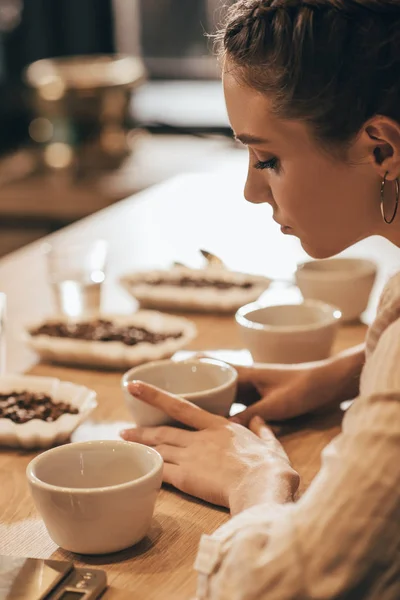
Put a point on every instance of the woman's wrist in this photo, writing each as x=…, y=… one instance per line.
x=269, y=489
x=345, y=370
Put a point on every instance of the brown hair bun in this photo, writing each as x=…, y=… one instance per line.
x=332, y=63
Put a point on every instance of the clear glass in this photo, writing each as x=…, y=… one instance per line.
x=76, y=274
x=2, y=333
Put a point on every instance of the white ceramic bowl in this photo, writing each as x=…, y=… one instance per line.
x=37, y=433
x=96, y=497
x=208, y=383
x=114, y=355
x=190, y=298
x=288, y=333
x=343, y=282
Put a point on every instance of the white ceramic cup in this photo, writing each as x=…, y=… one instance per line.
x=208, y=383
x=96, y=497
x=288, y=333
x=343, y=282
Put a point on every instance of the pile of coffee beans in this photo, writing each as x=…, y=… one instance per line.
x=200, y=282
x=102, y=330
x=22, y=407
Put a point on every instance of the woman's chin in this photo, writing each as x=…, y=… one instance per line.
x=319, y=252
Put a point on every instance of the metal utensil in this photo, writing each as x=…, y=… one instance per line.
x=178, y=264
x=212, y=259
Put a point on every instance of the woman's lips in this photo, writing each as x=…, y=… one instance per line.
x=284, y=228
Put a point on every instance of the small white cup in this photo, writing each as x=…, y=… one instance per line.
x=210, y=384
x=96, y=497
x=343, y=282
x=288, y=333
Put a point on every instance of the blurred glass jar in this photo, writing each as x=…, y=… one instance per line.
x=76, y=273
x=82, y=110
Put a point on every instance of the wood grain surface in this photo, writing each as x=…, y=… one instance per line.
x=168, y=222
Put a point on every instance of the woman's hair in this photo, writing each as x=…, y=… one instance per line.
x=331, y=63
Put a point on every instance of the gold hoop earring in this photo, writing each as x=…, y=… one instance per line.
x=383, y=184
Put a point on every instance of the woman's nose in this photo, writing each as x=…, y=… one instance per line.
x=256, y=189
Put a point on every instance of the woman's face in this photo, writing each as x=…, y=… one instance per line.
x=326, y=202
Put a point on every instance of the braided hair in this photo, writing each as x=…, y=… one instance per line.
x=331, y=63
x=343, y=6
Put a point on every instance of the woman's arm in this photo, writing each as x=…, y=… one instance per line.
x=345, y=370
x=341, y=540
x=288, y=391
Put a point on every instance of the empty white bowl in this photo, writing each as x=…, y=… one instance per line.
x=96, y=497
x=208, y=383
x=343, y=282
x=288, y=333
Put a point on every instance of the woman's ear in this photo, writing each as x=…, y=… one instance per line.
x=382, y=136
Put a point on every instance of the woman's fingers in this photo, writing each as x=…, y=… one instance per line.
x=176, y=407
x=277, y=405
x=154, y=436
x=170, y=454
x=248, y=374
x=262, y=408
x=258, y=373
x=172, y=474
x=247, y=394
x=258, y=426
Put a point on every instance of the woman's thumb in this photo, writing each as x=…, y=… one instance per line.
x=278, y=405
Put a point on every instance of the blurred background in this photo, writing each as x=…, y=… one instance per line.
x=100, y=99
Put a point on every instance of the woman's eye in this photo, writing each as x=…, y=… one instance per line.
x=272, y=163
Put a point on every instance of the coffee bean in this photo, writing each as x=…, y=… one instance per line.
x=24, y=406
x=102, y=330
x=198, y=282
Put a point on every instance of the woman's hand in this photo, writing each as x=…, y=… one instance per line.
x=221, y=462
x=288, y=392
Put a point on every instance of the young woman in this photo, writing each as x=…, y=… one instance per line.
x=313, y=89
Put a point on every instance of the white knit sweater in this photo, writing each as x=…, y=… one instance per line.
x=341, y=540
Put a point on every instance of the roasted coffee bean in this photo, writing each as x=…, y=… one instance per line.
x=24, y=406
x=102, y=330
x=201, y=282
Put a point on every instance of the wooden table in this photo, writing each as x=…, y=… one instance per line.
x=168, y=222
x=34, y=203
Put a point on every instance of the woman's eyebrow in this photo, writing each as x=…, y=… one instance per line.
x=249, y=139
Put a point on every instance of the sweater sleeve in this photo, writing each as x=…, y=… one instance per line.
x=341, y=540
